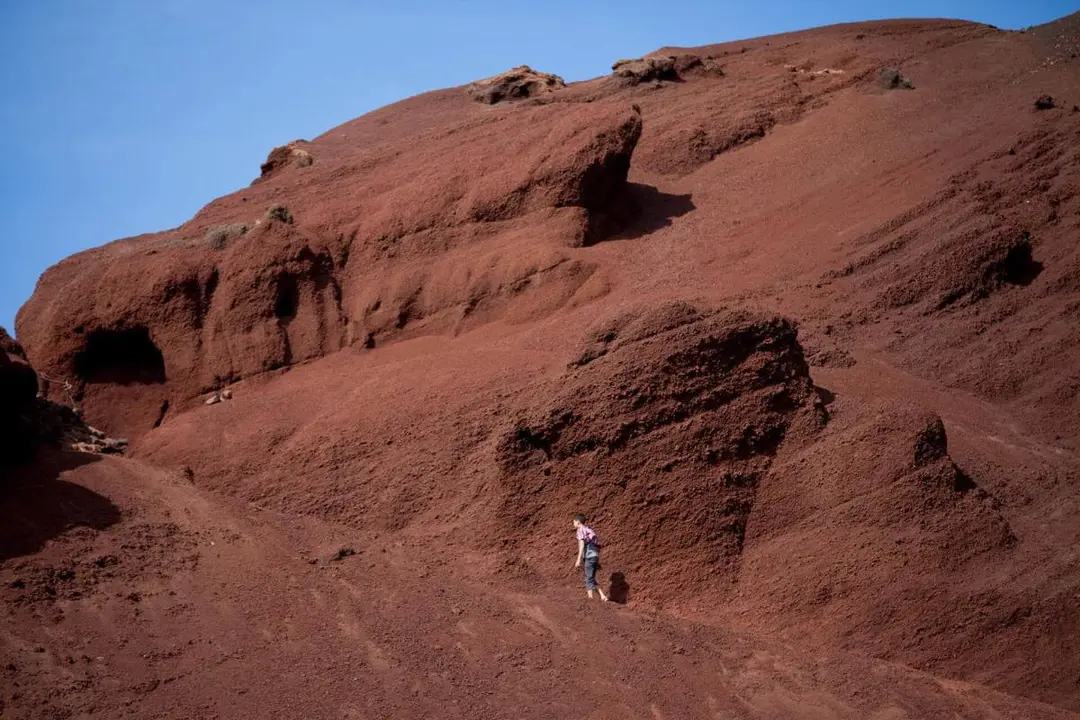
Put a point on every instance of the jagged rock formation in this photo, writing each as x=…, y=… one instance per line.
x=517, y=84
x=290, y=155
x=655, y=68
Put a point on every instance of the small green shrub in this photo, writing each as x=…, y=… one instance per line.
x=221, y=236
x=279, y=213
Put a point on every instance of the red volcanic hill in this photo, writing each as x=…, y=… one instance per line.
x=794, y=320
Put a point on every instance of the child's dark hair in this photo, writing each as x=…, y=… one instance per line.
x=580, y=518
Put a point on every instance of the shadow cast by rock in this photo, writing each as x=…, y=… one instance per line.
x=648, y=210
x=36, y=506
x=827, y=397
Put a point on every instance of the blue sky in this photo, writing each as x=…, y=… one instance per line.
x=126, y=116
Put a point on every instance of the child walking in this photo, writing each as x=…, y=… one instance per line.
x=588, y=552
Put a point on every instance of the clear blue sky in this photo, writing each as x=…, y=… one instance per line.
x=126, y=116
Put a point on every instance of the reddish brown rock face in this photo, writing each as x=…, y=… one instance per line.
x=615, y=426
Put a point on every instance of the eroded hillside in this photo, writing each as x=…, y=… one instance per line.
x=792, y=319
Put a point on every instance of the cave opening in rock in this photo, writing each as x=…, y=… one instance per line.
x=122, y=357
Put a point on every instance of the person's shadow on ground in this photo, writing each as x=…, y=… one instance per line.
x=619, y=590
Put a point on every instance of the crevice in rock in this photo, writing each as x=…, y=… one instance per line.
x=287, y=298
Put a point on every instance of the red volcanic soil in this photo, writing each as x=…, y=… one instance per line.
x=793, y=320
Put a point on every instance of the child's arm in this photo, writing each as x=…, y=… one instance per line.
x=580, y=552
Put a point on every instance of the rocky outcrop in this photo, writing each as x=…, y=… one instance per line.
x=576, y=166
x=248, y=287
x=656, y=68
x=971, y=266
x=670, y=415
x=517, y=84
x=290, y=155
x=878, y=497
x=931, y=443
